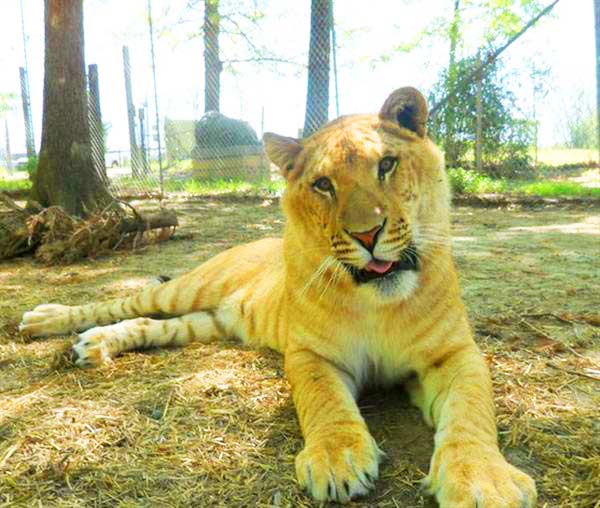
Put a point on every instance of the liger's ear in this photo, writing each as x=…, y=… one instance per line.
x=407, y=107
x=282, y=151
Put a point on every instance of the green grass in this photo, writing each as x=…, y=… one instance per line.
x=464, y=181
x=15, y=185
x=552, y=189
x=221, y=186
x=198, y=186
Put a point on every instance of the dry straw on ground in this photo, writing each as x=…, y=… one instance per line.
x=214, y=425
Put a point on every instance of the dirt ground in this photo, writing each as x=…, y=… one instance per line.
x=214, y=425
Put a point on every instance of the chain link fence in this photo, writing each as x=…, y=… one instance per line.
x=181, y=92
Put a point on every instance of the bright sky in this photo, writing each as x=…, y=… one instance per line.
x=365, y=30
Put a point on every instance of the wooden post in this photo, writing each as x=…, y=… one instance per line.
x=29, y=141
x=133, y=146
x=96, y=130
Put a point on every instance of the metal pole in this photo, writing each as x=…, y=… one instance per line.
x=133, y=146
x=29, y=142
x=96, y=129
x=479, y=121
x=334, y=50
x=151, y=28
x=8, y=154
x=597, y=25
x=141, y=119
x=28, y=125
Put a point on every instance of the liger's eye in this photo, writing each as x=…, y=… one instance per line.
x=323, y=184
x=386, y=165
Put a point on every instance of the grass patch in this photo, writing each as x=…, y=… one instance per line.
x=466, y=181
x=222, y=186
x=15, y=185
x=552, y=189
x=211, y=187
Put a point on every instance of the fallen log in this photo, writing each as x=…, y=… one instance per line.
x=53, y=236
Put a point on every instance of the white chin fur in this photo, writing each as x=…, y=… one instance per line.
x=399, y=287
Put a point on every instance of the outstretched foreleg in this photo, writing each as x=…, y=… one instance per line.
x=100, y=344
x=172, y=298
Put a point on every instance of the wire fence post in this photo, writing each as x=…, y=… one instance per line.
x=8, y=153
x=151, y=29
x=479, y=117
x=96, y=129
x=134, y=152
x=24, y=74
x=29, y=141
x=334, y=54
x=143, y=148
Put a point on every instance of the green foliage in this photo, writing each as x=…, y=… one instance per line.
x=15, y=185
x=179, y=139
x=497, y=19
x=465, y=181
x=7, y=103
x=31, y=167
x=579, y=120
x=505, y=140
x=502, y=18
x=581, y=132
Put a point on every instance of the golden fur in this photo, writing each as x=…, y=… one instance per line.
x=361, y=290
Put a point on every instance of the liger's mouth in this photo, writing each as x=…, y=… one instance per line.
x=379, y=269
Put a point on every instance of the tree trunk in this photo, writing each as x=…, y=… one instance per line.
x=65, y=174
x=597, y=26
x=212, y=62
x=449, y=145
x=317, y=98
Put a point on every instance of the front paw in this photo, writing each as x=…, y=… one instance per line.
x=46, y=320
x=91, y=349
x=339, y=465
x=468, y=477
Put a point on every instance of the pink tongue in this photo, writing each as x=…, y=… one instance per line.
x=378, y=266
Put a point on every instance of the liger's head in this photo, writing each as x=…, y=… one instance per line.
x=369, y=192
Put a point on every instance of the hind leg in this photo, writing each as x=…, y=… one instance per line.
x=100, y=344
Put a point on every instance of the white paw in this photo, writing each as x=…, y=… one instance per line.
x=91, y=350
x=46, y=320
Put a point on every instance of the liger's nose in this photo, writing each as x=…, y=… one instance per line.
x=367, y=238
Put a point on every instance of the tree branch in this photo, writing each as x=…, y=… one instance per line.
x=490, y=59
